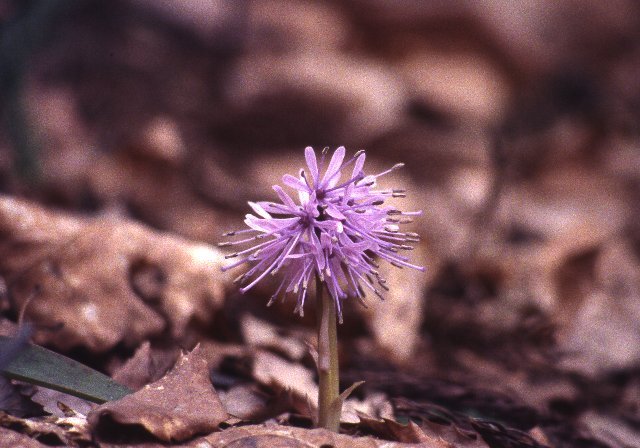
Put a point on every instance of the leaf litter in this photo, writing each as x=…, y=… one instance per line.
x=519, y=131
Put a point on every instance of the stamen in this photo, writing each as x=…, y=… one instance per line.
x=238, y=232
x=246, y=240
x=323, y=153
x=393, y=168
x=369, y=278
x=239, y=278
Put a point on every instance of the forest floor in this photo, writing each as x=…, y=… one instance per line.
x=135, y=132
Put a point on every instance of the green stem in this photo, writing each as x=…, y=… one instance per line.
x=329, y=408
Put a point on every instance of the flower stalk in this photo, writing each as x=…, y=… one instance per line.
x=329, y=403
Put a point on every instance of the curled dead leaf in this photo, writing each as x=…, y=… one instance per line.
x=175, y=408
x=84, y=273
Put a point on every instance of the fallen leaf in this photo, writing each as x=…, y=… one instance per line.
x=302, y=31
x=273, y=371
x=61, y=404
x=145, y=366
x=464, y=85
x=311, y=95
x=44, y=427
x=76, y=269
x=245, y=402
x=267, y=436
x=14, y=401
x=375, y=405
x=259, y=333
x=614, y=431
x=13, y=439
x=439, y=435
x=601, y=310
x=173, y=409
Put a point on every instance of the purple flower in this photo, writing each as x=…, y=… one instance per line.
x=337, y=231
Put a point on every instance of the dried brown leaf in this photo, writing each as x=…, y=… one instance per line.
x=374, y=405
x=61, y=404
x=83, y=273
x=303, y=29
x=259, y=333
x=459, y=84
x=273, y=371
x=362, y=97
x=614, y=431
x=244, y=402
x=444, y=436
x=175, y=408
x=14, y=401
x=13, y=439
x=267, y=436
x=600, y=331
x=145, y=366
x=38, y=427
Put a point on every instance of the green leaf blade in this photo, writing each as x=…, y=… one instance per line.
x=42, y=367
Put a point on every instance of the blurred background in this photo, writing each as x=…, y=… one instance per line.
x=519, y=123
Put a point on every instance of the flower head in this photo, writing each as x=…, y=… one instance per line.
x=336, y=231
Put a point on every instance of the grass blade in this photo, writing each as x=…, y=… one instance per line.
x=37, y=365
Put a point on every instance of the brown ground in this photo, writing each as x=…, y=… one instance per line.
x=134, y=132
